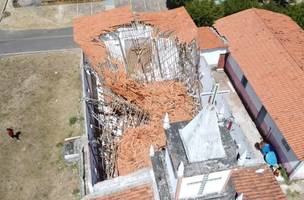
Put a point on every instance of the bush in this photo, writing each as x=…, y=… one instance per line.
x=73, y=120
x=284, y=174
x=176, y=3
x=234, y=6
x=204, y=12
x=296, y=12
x=272, y=6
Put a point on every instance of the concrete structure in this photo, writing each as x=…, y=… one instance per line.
x=266, y=65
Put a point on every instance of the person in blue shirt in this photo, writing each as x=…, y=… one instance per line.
x=268, y=152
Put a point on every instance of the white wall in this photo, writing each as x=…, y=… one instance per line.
x=215, y=183
x=212, y=56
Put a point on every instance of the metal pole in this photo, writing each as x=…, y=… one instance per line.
x=158, y=58
x=122, y=52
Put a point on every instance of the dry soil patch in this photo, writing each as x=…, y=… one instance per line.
x=39, y=94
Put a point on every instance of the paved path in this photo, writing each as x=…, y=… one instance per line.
x=15, y=42
x=26, y=41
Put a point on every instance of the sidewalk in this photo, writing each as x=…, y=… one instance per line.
x=243, y=129
x=49, y=17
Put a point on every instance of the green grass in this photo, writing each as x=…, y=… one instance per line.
x=73, y=120
x=284, y=175
x=59, y=144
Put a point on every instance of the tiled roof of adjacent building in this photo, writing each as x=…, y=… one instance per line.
x=208, y=39
x=142, y=192
x=269, y=47
x=257, y=186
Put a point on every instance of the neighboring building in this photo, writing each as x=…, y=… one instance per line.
x=211, y=45
x=266, y=66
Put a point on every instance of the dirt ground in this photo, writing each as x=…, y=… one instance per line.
x=46, y=17
x=40, y=93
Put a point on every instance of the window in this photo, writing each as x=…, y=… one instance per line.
x=286, y=145
x=244, y=81
x=260, y=118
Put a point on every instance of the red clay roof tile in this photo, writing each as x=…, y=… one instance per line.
x=208, y=39
x=256, y=186
x=269, y=48
x=143, y=192
x=87, y=28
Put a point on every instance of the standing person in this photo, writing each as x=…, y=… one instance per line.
x=268, y=152
x=264, y=147
x=11, y=133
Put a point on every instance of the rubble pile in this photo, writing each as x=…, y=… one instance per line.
x=156, y=98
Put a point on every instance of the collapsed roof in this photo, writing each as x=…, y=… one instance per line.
x=157, y=97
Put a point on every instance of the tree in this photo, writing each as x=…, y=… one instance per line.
x=296, y=12
x=204, y=12
x=275, y=7
x=176, y=3
x=234, y=6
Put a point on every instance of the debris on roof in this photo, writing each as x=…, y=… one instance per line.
x=156, y=98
